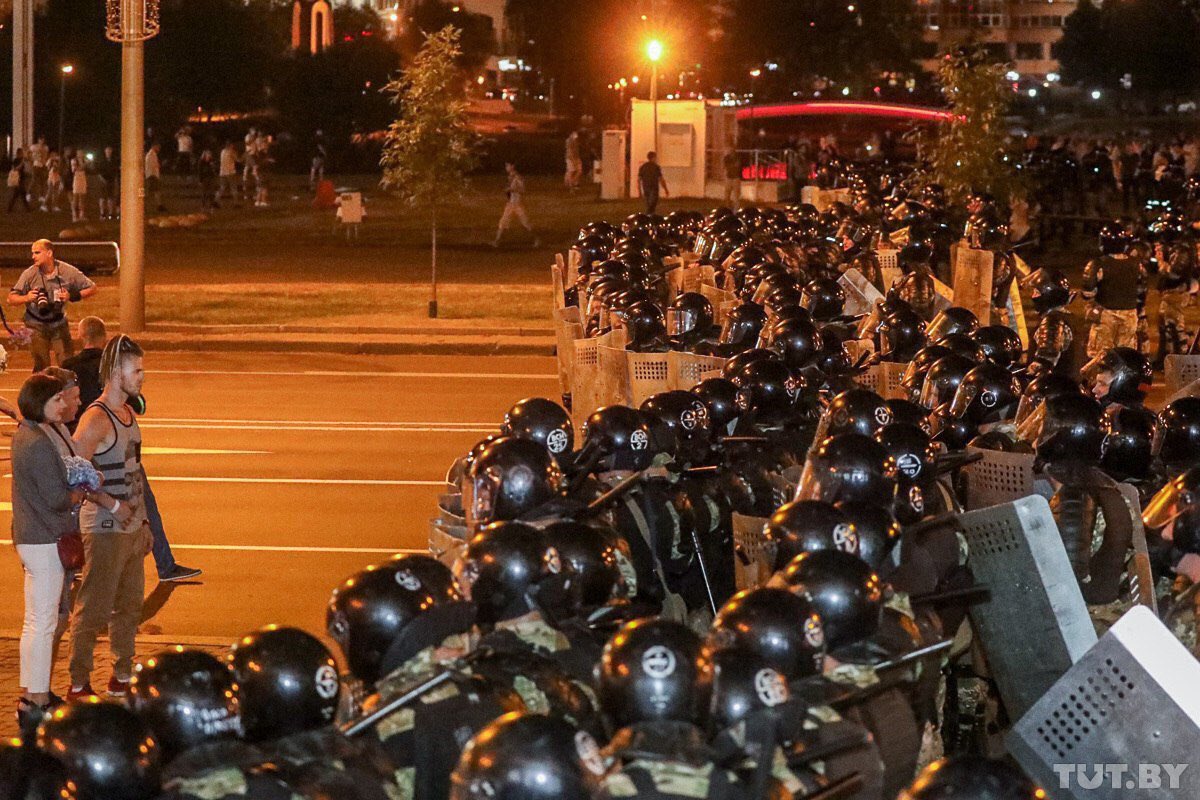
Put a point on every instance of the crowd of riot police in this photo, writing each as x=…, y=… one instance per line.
x=590, y=639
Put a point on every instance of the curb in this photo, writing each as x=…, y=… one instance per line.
x=368, y=330
x=483, y=346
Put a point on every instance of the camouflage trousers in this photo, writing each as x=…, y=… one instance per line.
x=1115, y=329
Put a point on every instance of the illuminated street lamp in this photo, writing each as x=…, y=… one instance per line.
x=65, y=70
x=654, y=52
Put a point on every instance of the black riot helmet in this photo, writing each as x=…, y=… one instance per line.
x=621, y=437
x=653, y=670
x=501, y=567
x=913, y=450
x=287, y=682
x=804, y=526
x=104, y=750
x=1000, y=344
x=743, y=684
x=510, y=478
x=528, y=756
x=1178, y=441
x=909, y=412
x=954, y=432
x=719, y=395
x=857, y=410
x=742, y=327
x=824, y=299
x=878, y=530
x=952, y=320
x=645, y=326
x=917, y=290
x=1115, y=239
x=187, y=699
x=768, y=391
x=1128, y=447
x=943, y=379
x=780, y=627
x=988, y=393
x=735, y=364
x=689, y=315
x=964, y=345
x=592, y=249
x=797, y=340
x=1046, y=384
x=847, y=594
x=369, y=614
x=1070, y=430
x=28, y=774
x=901, y=335
x=1177, y=505
x=686, y=417
x=971, y=778
x=917, y=253
x=1049, y=288
x=545, y=422
x=913, y=379
x=848, y=467
x=589, y=559
x=1119, y=375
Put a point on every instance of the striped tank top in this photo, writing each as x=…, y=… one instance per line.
x=120, y=466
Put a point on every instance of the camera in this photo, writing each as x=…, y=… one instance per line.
x=42, y=301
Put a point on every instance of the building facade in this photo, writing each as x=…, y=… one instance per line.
x=1024, y=32
x=393, y=12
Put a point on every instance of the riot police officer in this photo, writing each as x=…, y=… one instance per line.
x=1113, y=286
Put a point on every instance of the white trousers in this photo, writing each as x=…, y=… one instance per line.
x=43, y=594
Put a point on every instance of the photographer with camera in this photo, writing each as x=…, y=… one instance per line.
x=45, y=289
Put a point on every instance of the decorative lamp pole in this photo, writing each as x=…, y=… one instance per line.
x=65, y=69
x=654, y=52
x=131, y=23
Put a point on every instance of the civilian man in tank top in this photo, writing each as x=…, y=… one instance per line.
x=117, y=537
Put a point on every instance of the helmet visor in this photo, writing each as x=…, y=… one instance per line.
x=963, y=398
x=479, y=499
x=1029, y=428
x=1174, y=499
x=930, y=396
x=680, y=321
x=1026, y=406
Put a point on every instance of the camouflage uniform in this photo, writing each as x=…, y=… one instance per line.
x=446, y=719
x=1114, y=288
x=221, y=771
x=665, y=761
x=323, y=763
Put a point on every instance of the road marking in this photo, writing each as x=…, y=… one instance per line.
x=197, y=451
x=328, y=426
x=267, y=548
x=313, y=481
x=313, y=373
x=309, y=428
x=343, y=422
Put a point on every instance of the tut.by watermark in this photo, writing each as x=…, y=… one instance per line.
x=1119, y=776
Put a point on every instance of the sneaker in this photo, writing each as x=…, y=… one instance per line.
x=180, y=573
x=117, y=687
x=83, y=692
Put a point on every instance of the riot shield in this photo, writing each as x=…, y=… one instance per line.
x=648, y=374
x=998, y=478
x=889, y=266
x=1122, y=724
x=1035, y=624
x=861, y=294
x=567, y=329
x=612, y=376
x=1179, y=371
x=1139, y=562
x=446, y=540
x=973, y=281
x=685, y=370
x=750, y=564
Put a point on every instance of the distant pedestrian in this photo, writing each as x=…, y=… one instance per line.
x=733, y=178
x=116, y=536
x=154, y=195
x=184, y=162
x=79, y=188
x=39, y=156
x=650, y=180
x=54, y=183
x=574, y=161
x=44, y=289
x=262, y=164
x=109, y=170
x=206, y=175
x=514, y=207
x=18, y=181
x=229, y=170
x=86, y=363
x=316, y=172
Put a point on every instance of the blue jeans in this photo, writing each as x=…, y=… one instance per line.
x=164, y=561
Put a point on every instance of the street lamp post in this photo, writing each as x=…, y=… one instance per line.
x=754, y=73
x=654, y=51
x=65, y=70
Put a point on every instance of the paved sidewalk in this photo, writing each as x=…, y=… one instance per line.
x=10, y=669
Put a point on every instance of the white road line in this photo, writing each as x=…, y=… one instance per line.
x=198, y=451
x=309, y=481
x=316, y=428
x=369, y=374
x=267, y=548
x=348, y=422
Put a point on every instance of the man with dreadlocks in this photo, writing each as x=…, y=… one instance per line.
x=116, y=538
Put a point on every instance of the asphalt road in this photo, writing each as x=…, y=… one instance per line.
x=279, y=475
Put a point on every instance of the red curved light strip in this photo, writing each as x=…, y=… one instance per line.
x=847, y=108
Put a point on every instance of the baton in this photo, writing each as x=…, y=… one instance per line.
x=712, y=601
x=745, y=439
x=370, y=720
x=931, y=524
x=972, y=594
x=916, y=655
x=842, y=787
x=621, y=488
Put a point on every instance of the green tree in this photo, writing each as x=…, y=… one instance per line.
x=430, y=148
x=968, y=152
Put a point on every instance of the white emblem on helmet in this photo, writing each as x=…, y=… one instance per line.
x=770, y=687
x=326, y=681
x=883, y=415
x=743, y=400
x=701, y=411
x=589, y=753
x=845, y=538
x=814, y=634
x=557, y=441
x=989, y=399
x=916, y=499
x=638, y=440
x=658, y=662
x=909, y=464
x=553, y=560
x=688, y=419
x=793, y=387
x=408, y=581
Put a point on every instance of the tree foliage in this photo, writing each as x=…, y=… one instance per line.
x=430, y=147
x=968, y=153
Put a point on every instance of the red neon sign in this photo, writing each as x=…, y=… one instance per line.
x=896, y=110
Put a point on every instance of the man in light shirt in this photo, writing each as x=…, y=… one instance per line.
x=154, y=178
